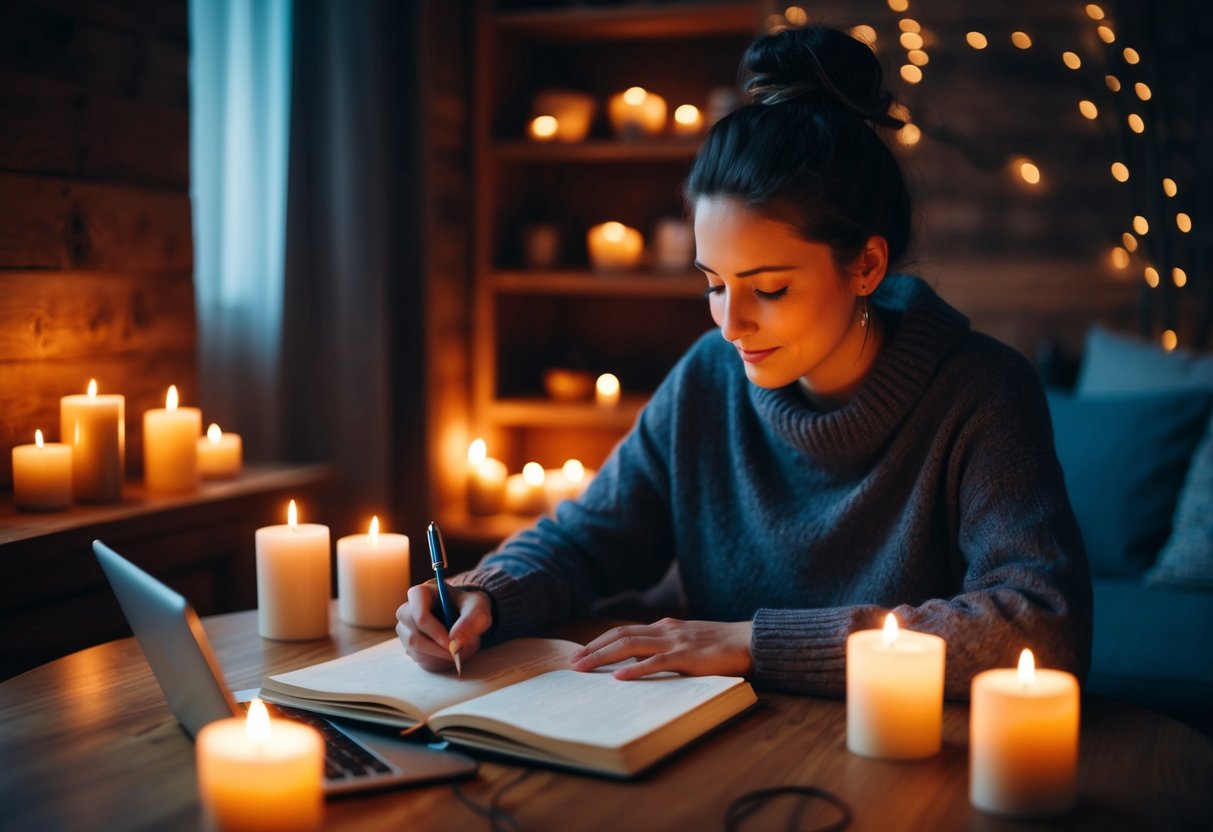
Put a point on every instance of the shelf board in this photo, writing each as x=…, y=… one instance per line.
x=597, y=150
x=545, y=413
x=667, y=20
x=643, y=284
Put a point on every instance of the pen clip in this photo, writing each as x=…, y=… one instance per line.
x=437, y=549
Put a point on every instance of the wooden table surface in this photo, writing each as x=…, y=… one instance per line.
x=87, y=742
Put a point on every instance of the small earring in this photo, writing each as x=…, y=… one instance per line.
x=863, y=315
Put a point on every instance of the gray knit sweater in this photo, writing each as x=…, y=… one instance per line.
x=935, y=493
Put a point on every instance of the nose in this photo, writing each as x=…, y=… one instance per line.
x=736, y=319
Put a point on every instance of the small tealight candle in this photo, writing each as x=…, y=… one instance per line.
x=170, y=445
x=372, y=577
x=257, y=774
x=1023, y=740
x=688, y=121
x=636, y=112
x=544, y=128
x=42, y=475
x=219, y=454
x=293, y=579
x=566, y=483
x=894, y=693
x=524, y=493
x=613, y=246
x=606, y=390
x=95, y=428
x=486, y=480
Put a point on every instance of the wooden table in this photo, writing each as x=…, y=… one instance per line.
x=87, y=742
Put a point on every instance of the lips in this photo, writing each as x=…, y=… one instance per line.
x=754, y=356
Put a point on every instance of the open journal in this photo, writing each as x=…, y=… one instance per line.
x=521, y=699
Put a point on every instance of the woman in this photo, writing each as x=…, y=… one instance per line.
x=848, y=448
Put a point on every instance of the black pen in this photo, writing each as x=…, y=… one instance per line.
x=438, y=561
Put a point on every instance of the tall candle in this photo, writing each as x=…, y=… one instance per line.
x=894, y=693
x=613, y=246
x=372, y=577
x=636, y=112
x=257, y=774
x=294, y=581
x=170, y=445
x=486, y=480
x=606, y=390
x=1023, y=740
x=524, y=493
x=219, y=454
x=42, y=475
x=95, y=428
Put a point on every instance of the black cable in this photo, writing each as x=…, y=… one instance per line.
x=748, y=803
x=499, y=819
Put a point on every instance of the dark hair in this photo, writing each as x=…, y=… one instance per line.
x=806, y=152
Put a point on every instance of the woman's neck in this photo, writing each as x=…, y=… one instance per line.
x=856, y=355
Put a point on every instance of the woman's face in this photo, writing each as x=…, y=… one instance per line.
x=780, y=300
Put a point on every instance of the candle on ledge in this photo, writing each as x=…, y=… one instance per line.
x=636, y=113
x=524, y=493
x=95, y=428
x=543, y=128
x=1023, y=740
x=566, y=483
x=372, y=577
x=613, y=246
x=293, y=579
x=260, y=774
x=606, y=390
x=170, y=445
x=219, y=454
x=688, y=121
x=486, y=480
x=42, y=475
x=894, y=693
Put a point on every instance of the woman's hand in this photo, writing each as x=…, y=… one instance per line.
x=424, y=634
x=694, y=648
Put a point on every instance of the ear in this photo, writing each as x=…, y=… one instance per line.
x=870, y=267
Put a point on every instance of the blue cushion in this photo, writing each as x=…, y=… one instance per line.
x=1187, y=559
x=1124, y=459
x=1116, y=363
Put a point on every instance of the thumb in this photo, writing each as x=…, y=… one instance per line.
x=474, y=619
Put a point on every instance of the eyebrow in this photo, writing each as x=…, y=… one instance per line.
x=749, y=272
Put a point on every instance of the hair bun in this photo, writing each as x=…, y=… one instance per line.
x=821, y=66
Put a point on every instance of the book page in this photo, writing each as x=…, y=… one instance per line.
x=385, y=674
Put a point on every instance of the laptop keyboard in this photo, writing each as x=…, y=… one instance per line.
x=344, y=759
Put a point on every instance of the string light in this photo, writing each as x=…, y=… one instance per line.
x=911, y=40
x=1094, y=12
x=796, y=15
x=1151, y=277
x=1143, y=91
x=1021, y=40
x=1120, y=172
x=1131, y=56
x=1088, y=109
x=909, y=25
x=1106, y=34
x=1179, y=277
x=1129, y=240
x=1169, y=340
x=1113, y=82
x=1141, y=225
x=1184, y=222
x=865, y=33
x=918, y=57
x=900, y=112
x=1120, y=258
x=909, y=135
x=1029, y=172
x=976, y=40
x=1169, y=187
x=1071, y=60
x=911, y=74
x=899, y=5
x=1136, y=124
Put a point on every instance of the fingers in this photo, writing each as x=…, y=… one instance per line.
x=631, y=642
x=475, y=618
x=423, y=635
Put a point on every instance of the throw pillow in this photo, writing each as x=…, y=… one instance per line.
x=1116, y=363
x=1124, y=459
x=1187, y=559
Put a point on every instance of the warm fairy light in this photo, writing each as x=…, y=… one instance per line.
x=373, y=533
x=1169, y=340
x=1106, y=34
x=1183, y=222
x=911, y=74
x=1169, y=187
x=1129, y=240
x=865, y=33
x=1088, y=109
x=634, y=96
x=214, y=434
x=1120, y=258
x=1136, y=124
x=544, y=127
x=1141, y=225
x=1027, y=667
x=292, y=515
x=1021, y=40
x=1113, y=82
x=1071, y=60
x=1143, y=91
x=890, y=630
x=38, y=438
x=1131, y=56
x=1179, y=277
x=918, y=57
x=687, y=114
x=1094, y=12
x=796, y=15
x=170, y=398
x=257, y=724
x=1120, y=172
x=92, y=388
x=976, y=40
x=911, y=40
x=1151, y=277
x=478, y=451
x=533, y=474
x=909, y=135
x=1029, y=172
x=909, y=24
x=900, y=112
x=899, y=5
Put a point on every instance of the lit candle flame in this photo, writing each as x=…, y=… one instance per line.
x=214, y=434
x=373, y=535
x=92, y=388
x=607, y=384
x=687, y=114
x=170, y=400
x=544, y=127
x=1027, y=667
x=257, y=725
x=292, y=516
x=38, y=438
x=614, y=231
x=477, y=451
x=533, y=473
x=573, y=470
x=635, y=96
x=890, y=630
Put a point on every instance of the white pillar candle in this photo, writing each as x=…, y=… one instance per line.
x=636, y=113
x=294, y=581
x=258, y=774
x=372, y=577
x=607, y=390
x=524, y=493
x=1023, y=740
x=486, y=479
x=894, y=693
x=219, y=454
x=170, y=445
x=566, y=483
x=42, y=475
x=613, y=246
x=95, y=428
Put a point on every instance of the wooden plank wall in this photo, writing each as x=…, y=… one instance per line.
x=96, y=254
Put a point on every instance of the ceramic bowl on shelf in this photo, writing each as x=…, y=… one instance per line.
x=567, y=385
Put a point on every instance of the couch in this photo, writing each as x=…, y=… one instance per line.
x=1135, y=440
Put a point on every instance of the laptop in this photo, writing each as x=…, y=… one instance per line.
x=357, y=757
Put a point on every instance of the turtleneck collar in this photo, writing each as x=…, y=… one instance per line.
x=921, y=330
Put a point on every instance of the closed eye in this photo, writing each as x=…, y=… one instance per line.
x=761, y=295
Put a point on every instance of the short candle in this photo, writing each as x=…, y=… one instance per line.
x=1023, y=740
x=566, y=483
x=894, y=693
x=42, y=475
x=636, y=113
x=372, y=577
x=95, y=427
x=219, y=454
x=607, y=390
x=614, y=246
x=486, y=479
x=293, y=579
x=524, y=493
x=688, y=121
x=170, y=445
